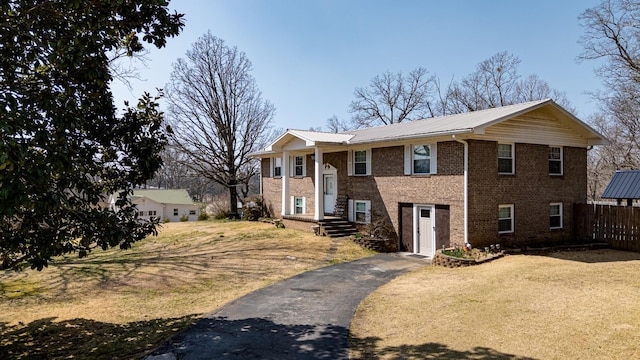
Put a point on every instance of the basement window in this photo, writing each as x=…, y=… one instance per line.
x=505, y=219
x=555, y=216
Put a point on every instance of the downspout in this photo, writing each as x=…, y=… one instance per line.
x=466, y=188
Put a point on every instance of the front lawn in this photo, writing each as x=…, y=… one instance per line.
x=119, y=304
x=569, y=305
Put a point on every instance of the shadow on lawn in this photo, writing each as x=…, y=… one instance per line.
x=256, y=338
x=86, y=339
x=212, y=338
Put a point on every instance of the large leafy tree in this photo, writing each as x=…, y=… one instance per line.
x=218, y=115
x=63, y=146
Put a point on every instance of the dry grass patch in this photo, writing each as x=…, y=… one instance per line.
x=119, y=304
x=569, y=305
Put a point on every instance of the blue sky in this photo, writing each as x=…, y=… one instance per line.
x=309, y=55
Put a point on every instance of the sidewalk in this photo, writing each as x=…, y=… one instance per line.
x=303, y=317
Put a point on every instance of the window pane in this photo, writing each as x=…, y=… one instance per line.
x=422, y=166
x=555, y=167
x=277, y=171
x=504, y=150
x=361, y=217
x=298, y=170
x=360, y=168
x=360, y=206
x=554, y=210
x=298, y=160
x=554, y=153
x=421, y=152
x=360, y=156
x=504, y=213
x=504, y=225
x=554, y=221
x=505, y=166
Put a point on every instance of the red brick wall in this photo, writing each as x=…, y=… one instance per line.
x=388, y=186
x=531, y=189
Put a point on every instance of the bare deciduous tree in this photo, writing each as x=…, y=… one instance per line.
x=217, y=114
x=612, y=35
x=393, y=98
x=336, y=125
x=495, y=83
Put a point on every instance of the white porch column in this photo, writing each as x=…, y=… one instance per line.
x=285, y=183
x=319, y=188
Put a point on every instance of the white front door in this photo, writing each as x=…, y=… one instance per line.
x=329, y=193
x=426, y=244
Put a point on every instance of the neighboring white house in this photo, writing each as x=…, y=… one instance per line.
x=169, y=205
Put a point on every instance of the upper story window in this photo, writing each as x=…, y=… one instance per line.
x=277, y=167
x=360, y=162
x=505, y=219
x=505, y=159
x=555, y=160
x=422, y=159
x=297, y=166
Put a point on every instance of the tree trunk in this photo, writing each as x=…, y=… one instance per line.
x=233, y=198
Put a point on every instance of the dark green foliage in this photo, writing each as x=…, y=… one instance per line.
x=63, y=148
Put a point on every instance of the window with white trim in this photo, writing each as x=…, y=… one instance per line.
x=152, y=213
x=277, y=167
x=421, y=159
x=298, y=166
x=362, y=209
x=555, y=216
x=360, y=162
x=555, y=160
x=175, y=212
x=505, y=159
x=298, y=205
x=192, y=212
x=505, y=219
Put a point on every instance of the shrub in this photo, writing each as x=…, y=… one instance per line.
x=184, y=218
x=219, y=207
x=203, y=215
x=253, y=208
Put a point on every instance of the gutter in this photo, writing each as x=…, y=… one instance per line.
x=466, y=187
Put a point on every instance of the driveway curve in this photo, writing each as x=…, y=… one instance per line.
x=303, y=317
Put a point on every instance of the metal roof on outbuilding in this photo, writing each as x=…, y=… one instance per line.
x=169, y=196
x=625, y=184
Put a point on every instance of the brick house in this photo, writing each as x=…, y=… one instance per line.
x=507, y=175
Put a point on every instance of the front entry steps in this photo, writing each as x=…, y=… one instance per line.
x=336, y=228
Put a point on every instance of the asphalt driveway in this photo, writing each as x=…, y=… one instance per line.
x=303, y=317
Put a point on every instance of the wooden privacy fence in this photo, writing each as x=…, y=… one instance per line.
x=619, y=226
